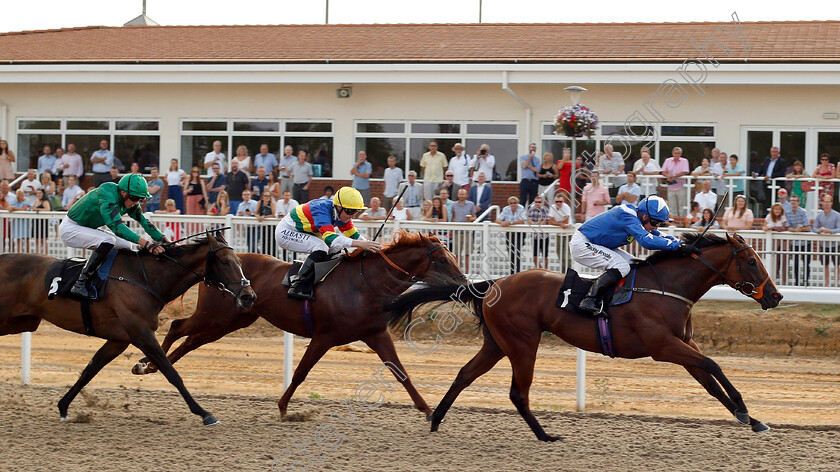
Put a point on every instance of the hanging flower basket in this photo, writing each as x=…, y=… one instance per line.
x=576, y=121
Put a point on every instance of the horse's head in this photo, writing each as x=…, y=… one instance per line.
x=224, y=270
x=744, y=271
x=423, y=257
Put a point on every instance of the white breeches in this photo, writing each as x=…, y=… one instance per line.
x=75, y=235
x=289, y=238
x=598, y=257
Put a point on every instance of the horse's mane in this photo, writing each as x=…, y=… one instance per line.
x=190, y=246
x=402, y=239
x=707, y=240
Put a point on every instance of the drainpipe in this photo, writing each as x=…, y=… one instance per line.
x=4, y=111
x=527, y=107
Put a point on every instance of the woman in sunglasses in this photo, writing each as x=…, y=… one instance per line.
x=104, y=206
x=596, y=243
x=319, y=228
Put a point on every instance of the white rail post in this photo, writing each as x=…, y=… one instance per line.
x=288, y=358
x=25, y=356
x=581, y=380
x=485, y=240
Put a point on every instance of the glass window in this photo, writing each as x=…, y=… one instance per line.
x=548, y=130
x=378, y=150
x=491, y=128
x=256, y=126
x=792, y=144
x=144, y=150
x=86, y=144
x=83, y=125
x=620, y=130
x=380, y=128
x=294, y=127
x=319, y=152
x=30, y=147
x=671, y=130
x=194, y=148
x=420, y=146
x=137, y=126
x=830, y=143
x=505, y=152
x=39, y=124
x=204, y=126
x=436, y=128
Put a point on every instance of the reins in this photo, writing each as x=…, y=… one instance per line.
x=414, y=278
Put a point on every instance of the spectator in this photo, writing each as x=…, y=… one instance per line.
x=548, y=174
x=459, y=165
x=285, y=162
x=328, y=193
x=285, y=205
x=695, y=213
x=529, y=185
x=274, y=187
x=481, y=194
x=563, y=172
x=719, y=166
x=560, y=215
x=797, y=221
x=484, y=162
x=674, y=167
x=705, y=220
x=537, y=216
x=361, y=176
x=248, y=207
x=797, y=187
x=171, y=229
x=46, y=162
x=41, y=226
x=448, y=202
x=400, y=213
x=71, y=194
x=594, y=197
x=216, y=156
x=828, y=222
x=169, y=207
x=773, y=167
x=706, y=198
x=243, y=159
x=463, y=210
x=739, y=217
x=735, y=170
x=629, y=193
x=6, y=194
x=114, y=175
x=216, y=183
x=704, y=169
x=513, y=214
x=265, y=159
x=302, y=177
x=47, y=185
x=29, y=186
x=783, y=200
x=265, y=209
x=825, y=170
x=135, y=168
x=612, y=164
x=413, y=195
x=775, y=219
x=448, y=184
x=7, y=171
x=647, y=167
x=259, y=184
x=439, y=212
x=155, y=187
x=237, y=184
x=221, y=206
x=195, y=191
x=432, y=164
x=324, y=161
x=20, y=228
x=55, y=198
x=393, y=176
x=101, y=162
x=375, y=212
x=426, y=212
x=70, y=163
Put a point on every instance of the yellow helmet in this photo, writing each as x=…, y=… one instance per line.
x=350, y=198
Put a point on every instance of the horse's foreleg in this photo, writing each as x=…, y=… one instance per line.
x=523, y=374
x=384, y=347
x=108, y=352
x=484, y=360
x=316, y=350
x=144, y=339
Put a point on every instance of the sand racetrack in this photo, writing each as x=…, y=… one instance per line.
x=641, y=415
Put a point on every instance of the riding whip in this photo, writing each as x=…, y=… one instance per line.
x=393, y=205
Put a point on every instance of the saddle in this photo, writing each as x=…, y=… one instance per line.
x=62, y=274
x=575, y=288
x=322, y=270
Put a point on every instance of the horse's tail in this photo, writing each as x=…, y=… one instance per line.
x=401, y=308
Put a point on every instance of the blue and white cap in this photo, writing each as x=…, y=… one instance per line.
x=656, y=208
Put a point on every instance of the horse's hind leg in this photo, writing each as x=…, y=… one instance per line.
x=384, y=347
x=108, y=352
x=523, y=374
x=484, y=360
x=316, y=350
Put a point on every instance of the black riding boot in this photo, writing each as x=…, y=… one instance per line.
x=303, y=284
x=593, y=302
x=96, y=259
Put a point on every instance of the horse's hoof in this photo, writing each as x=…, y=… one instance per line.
x=63, y=419
x=760, y=427
x=139, y=368
x=549, y=438
x=210, y=420
x=742, y=416
x=429, y=417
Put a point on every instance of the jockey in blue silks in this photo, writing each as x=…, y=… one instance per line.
x=595, y=244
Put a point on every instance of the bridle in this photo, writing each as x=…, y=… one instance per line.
x=210, y=278
x=747, y=288
x=414, y=278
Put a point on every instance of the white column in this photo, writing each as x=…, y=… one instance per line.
x=25, y=357
x=288, y=358
x=581, y=380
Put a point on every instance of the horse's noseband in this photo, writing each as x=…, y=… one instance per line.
x=211, y=279
x=747, y=288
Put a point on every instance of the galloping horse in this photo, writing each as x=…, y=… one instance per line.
x=651, y=324
x=128, y=311
x=348, y=307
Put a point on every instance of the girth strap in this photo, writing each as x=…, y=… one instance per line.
x=663, y=292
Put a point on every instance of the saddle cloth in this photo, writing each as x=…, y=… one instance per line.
x=62, y=274
x=322, y=270
x=575, y=288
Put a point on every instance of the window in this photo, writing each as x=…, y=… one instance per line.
x=314, y=137
x=131, y=140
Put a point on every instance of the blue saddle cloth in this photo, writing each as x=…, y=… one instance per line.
x=62, y=274
x=575, y=288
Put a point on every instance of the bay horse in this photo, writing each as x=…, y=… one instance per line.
x=348, y=306
x=141, y=284
x=514, y=311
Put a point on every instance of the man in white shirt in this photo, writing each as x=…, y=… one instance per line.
x=284, y=206
x=214, y=156
x=647, y=166
x=612, y=164
x=483, y=161
x=375, y=212
x=72, y=193
x=719, y=166
x=413, y=196
x=459, y=165
x=70, y=163
x=30, y=185
x=630, y=192
x=706, y=198
x=248, y=207
x=393, y=176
